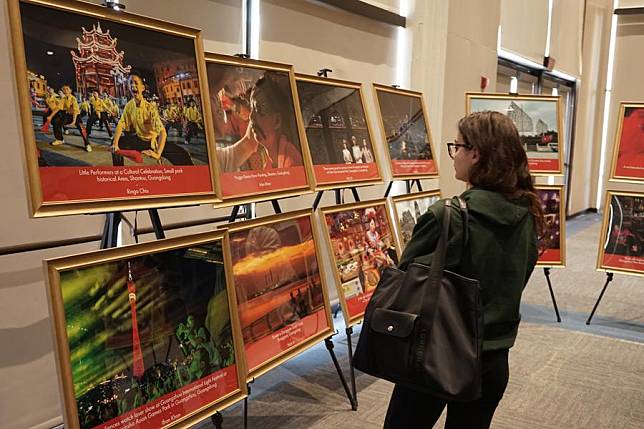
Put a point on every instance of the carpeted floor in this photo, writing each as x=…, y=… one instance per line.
x=565, y=375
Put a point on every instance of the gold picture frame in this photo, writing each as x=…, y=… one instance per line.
x=257, y=195
x=77, y=197
x=614, y=176
x=432, y=170
x=404, y=198
x=549, y=167
x=361, y=299
x=341, y=181
x=628, y=261
x=276, y=359
x=552, y=259
x=61, y=326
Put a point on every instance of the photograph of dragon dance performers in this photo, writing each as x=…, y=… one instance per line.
x=258, y=144
x=143, y=329
x=280, y=293
x=100, y=88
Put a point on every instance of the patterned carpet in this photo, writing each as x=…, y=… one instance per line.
x=563, y=375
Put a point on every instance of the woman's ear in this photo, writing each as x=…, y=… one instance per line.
x=475, y=155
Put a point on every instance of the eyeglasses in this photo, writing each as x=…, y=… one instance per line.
x=452, y=148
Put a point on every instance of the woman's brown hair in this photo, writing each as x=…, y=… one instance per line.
x=502, y=165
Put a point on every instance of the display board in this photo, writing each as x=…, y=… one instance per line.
x=282, y=300
x=253, y=105
x=405, y=126
x=146, y=336
x=538, y=119
x=407, y=209
x=111, y=109
x=628, y=154
x=361, y=240
x=552, y=246
x=338, y=132
x=621, y=247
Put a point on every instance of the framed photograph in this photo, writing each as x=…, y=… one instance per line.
x=552, y=246
x=361, y=238
x=282, y=300
x=111, y=109
x=405, y=126
x=253, y=106
x=628, y=154
x=407, y=209
x=338, y=133
x=621, y=247
x=146, y=336
x=538, y=119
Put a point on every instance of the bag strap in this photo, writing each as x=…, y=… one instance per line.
x=438, y=260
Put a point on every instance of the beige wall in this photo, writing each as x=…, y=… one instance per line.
x=590, y=106
x=471, y=53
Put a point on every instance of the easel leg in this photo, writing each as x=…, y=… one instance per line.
x=156, y=223
x=111, y=230
x=246, y=407
x=351, y=371
x=609, y=278
x=356, y=197
x=329, y=346
x=233, y=214
x=388, y=189
x=317, y=200
x=546, y=271
x=217, y=420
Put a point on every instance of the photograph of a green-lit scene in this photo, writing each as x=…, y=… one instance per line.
x=143, y=331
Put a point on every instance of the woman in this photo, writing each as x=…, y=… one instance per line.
x=505, y=218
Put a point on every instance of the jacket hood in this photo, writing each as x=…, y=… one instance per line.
x=495, y=207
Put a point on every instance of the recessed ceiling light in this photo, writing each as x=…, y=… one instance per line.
x=50, y=53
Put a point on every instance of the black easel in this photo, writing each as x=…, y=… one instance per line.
x=409, y=184
x=339, y=196
x=111, y=227
x=546, y=272
x=609, y=278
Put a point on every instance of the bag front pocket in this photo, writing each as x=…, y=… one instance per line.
x=392, y=343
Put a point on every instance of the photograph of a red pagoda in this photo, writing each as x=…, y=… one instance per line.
x=115, y=109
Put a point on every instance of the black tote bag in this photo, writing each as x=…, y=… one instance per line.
x=423, y=328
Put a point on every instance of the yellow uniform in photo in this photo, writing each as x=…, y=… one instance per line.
x=69, y=105
x=143, y=120
x=192, y=114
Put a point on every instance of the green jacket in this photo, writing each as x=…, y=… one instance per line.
x=501, y=255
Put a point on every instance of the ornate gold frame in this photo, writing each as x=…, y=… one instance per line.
x=562, y=225
x=313, y=340
x=261, y=65
x=618, y=133
x=379, y=87
x=408, y=197
x=350, y=321
x=39, y=208
x=560, y=129
x=604, y=231
x=343, y=84
x=53, y=267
